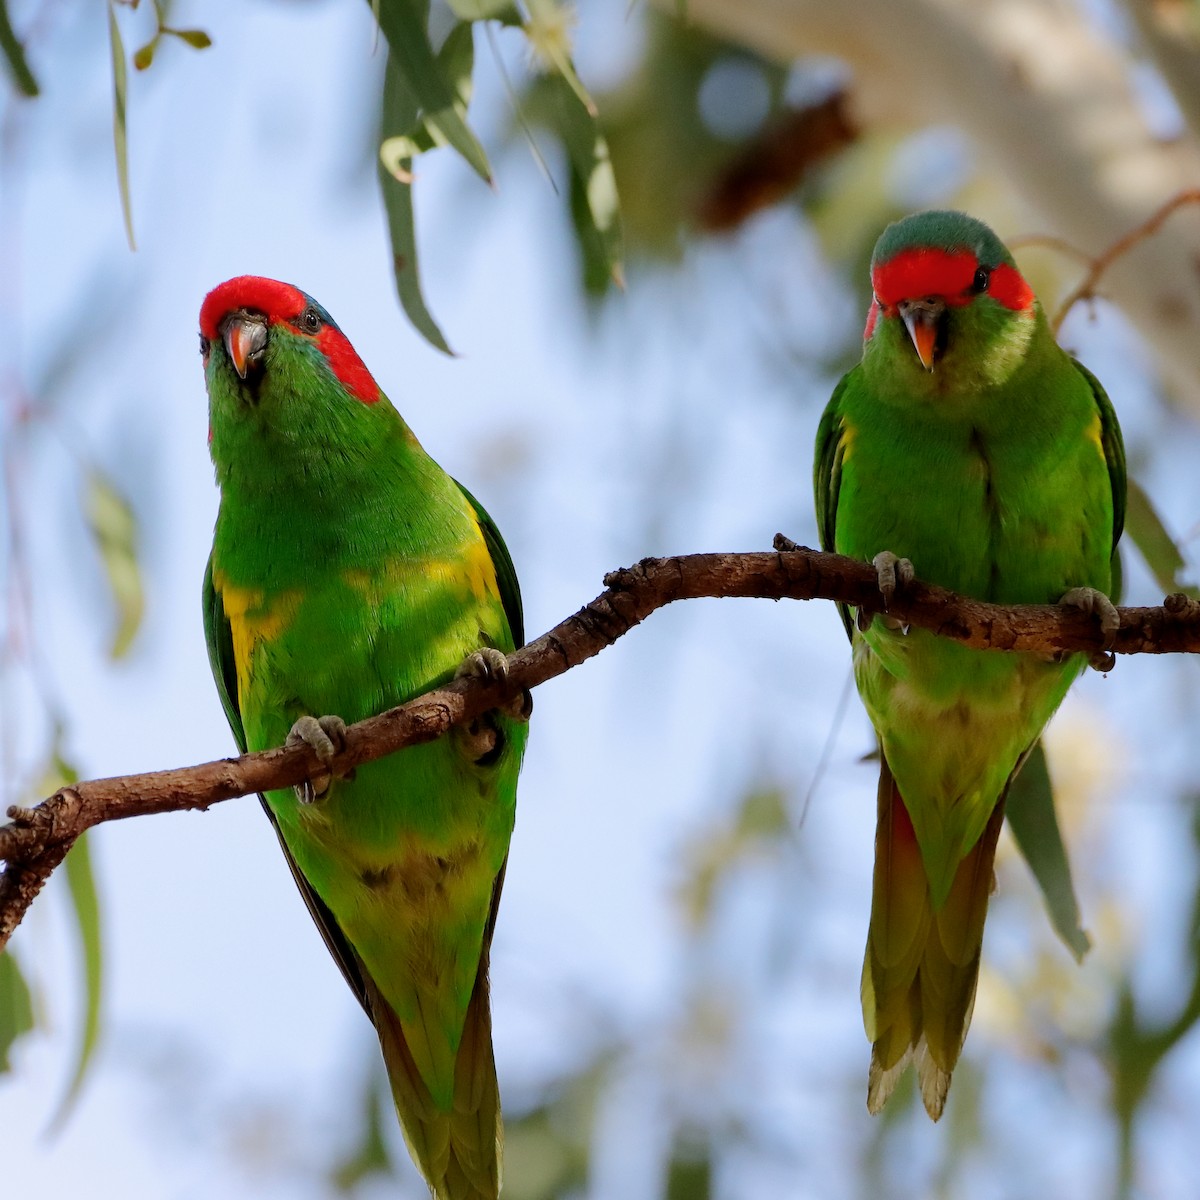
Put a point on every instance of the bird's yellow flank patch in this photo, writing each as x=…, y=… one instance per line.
x=1095, y=434
x=846, y=435
x=253, y=619
x=469, y=574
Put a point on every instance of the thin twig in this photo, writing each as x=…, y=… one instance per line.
x=1086, y=288
x=37, y=839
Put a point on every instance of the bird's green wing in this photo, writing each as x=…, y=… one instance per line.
x=1114, y=450
x=219, y=636
x=506, y=574
x=827, y=479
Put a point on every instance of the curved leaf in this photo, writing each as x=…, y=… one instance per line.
x=114, y=528
x=16, y=1007
x=14, y=54
x=1034, y=825
x=120, y=144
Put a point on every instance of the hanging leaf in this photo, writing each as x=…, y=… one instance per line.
x=86, y=906
x=1147, y=532
x=16, y=1007
x=370, y=1156
x=196, y=38
x=548, y=31
x=1034, y=825
x=403, y=23
x=400, y=115
x=485, y=10
x=119, y=140
x=595, y=206
x=14, y=55
x=143, y=56
x=114, y=527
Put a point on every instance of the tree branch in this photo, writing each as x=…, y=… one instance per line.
x=38, y=839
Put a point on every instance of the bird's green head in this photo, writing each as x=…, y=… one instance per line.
x=281, y=375
x=950, y=313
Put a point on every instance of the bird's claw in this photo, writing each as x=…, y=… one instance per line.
x=892, y=573
x=491, y=665
x=1097, y=604
x=326, y=736
x=486, y=663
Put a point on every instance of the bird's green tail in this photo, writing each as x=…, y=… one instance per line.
x=457, y=1148
x=922, y=965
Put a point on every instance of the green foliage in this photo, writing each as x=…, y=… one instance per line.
x=120, y=143
x=664, y=153
x=403, y=136
x=370, y=1156
x=14, y=55
x=1034, y=825
x=114, y=529
x=1139, y=1043
x=85, y=908
x=426, y=95
x=405, y=25
x=1147, y=532
x=16, y=1007
x=85, y=905
x=595, y=208
x=196, y=38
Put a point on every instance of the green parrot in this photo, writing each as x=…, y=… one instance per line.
x=348, y=574
x=969, y=448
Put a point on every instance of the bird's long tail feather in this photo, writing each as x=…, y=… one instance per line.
x=921, y=966
x=458, y=1149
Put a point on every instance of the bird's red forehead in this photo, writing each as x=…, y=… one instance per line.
x=923, y=271
x=928, y=271
x=279, y=301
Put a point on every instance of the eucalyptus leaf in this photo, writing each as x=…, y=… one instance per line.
x=1145, y=529
x=401, y=108
x=485, y=10
x=85, y=904
x=16, y=1007
x=196, y=38
x=1034, y=825
x=595, y=205
x=114, y=528
x=14, y=55
x=120, y=143
x=404, y=24
x=546, y=30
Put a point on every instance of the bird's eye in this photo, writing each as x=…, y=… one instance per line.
x=981, y=280
x=204, y=345
x=310, y=320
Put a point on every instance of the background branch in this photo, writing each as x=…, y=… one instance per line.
x=38, y=838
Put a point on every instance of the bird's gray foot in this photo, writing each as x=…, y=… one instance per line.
x=327, y=738
x=491, y=665
x=481, y=739
x=892, y=573
x=1097, y=604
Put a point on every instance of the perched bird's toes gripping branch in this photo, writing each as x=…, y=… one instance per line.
x=491, y=665
x=892, y=572
x=1097, y=604
x=326, y=736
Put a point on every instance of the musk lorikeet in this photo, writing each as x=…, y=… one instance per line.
x=966, y=446
x=348, y=574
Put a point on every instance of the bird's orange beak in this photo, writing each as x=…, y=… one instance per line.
x=245, y=339
x=922, y=319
